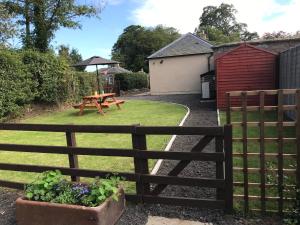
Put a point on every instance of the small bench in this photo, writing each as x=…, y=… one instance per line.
x=88, y=106
x=107, y=104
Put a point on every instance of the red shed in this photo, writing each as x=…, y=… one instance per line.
x=245, y=68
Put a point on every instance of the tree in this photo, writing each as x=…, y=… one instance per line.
x=219, y=25
x=280, y=35
x=71, y=55
x=7, y=28
x=136, y=43
x=45, y=17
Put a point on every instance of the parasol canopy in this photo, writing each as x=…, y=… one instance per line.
x=95, y=61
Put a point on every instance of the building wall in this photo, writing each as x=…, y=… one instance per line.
x=244, y=69
x=177, y=75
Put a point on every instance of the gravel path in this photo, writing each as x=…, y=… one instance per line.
x=202, y=114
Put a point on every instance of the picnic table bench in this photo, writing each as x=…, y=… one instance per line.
x=99, y=102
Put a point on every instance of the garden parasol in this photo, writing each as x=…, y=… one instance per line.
x=96, y=60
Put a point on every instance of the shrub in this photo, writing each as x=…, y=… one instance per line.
x=52, y=187
x=51, y=75
x=16, y=84
x=129, y=81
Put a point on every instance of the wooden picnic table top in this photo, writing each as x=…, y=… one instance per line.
x=100, y=96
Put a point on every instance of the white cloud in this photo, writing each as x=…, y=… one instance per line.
x=184, y=15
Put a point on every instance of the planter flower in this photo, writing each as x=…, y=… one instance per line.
x=51, y=200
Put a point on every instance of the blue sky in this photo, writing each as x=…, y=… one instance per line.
x=98, y=36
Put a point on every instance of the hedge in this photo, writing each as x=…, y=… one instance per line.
x=129, y=81
x=33, y=77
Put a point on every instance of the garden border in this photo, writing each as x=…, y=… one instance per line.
x=170, y=143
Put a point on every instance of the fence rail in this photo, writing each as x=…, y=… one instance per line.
x=262, y=139
x=140, y=154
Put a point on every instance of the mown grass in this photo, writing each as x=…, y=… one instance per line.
x=133, y=112
x=254, y=162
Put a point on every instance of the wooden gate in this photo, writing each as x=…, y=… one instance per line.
x=284, y=150
x=140, y=154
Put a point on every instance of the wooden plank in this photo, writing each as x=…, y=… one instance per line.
x=245, y=150
x=66, y=171
x=265, y=139
x=183, y=163
x=228, y=168
x=149, y=130
x=197, y=156
x=67, y=128
x=267, y=124
x=262, y=151
x=140, y=165
x=266, y=108
x=267, y=92
x=220, y=167
x=12, y=184
x=73, y=159
x=258, y=170
x=298, y=136
x=280, y=150
x=192, y=202
x=184, y=181
x=241, y=184
x=266, y=155
x=269, y=198
x=228, y=111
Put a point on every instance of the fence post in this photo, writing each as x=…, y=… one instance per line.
x=140, y=165
x=73, y=159
x=228, y=168
x=298, y=135
x=220, y=167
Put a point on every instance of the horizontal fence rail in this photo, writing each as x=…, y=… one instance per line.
x=141, y=155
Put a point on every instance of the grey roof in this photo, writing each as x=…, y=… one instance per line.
x=114, y=70
x=257, y=41
x=188, y=44
x=95, y=60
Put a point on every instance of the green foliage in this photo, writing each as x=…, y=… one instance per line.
x=293, y=215
x=71, y=55
x=30, y=76
x=17, y=87
x=51, y=75
x=7, y=28
x=280, y=35
x=129, y=81
x=52, y=187
x=219, y=25
x=136, y=43
x=42, y=18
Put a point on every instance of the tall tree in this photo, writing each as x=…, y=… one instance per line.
x=136, y=43
x=45, y=17
x=71, y=55
x=219, y=25
x=7, y=28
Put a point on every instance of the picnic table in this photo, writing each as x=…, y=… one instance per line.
x=99, y=102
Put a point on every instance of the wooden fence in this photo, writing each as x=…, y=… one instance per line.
x=280, y=123
x=140, y=154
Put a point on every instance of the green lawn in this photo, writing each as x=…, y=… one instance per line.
x=133, y=112
x=254, y=162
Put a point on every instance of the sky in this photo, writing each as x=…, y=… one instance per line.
x=97, y=36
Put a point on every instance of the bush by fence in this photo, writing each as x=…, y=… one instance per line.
x=30, y=76
x=129, y=81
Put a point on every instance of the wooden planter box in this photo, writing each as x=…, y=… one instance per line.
x=44, y=213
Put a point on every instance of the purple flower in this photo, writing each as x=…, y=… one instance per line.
x=80, y=189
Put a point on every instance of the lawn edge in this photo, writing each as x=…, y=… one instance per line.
x=170, y=143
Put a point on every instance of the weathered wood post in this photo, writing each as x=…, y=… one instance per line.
x=228, y=168
x=140, y=165
x=73, y=159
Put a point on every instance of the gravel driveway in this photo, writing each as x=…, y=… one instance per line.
x=202, y=114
